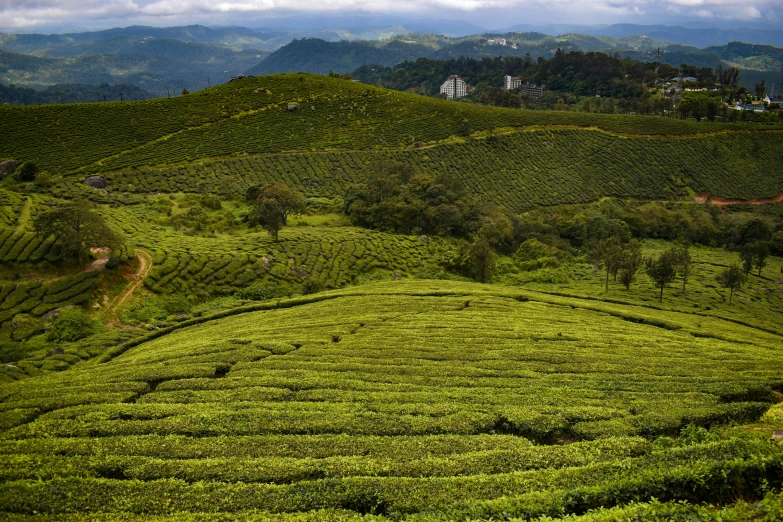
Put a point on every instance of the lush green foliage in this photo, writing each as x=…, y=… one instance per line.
x=250, y=116
x=397, y=398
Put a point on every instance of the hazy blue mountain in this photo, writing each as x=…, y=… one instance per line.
x=696, y=36
x=154, y=73
x=318, y=56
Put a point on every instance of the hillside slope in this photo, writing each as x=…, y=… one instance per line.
x=336, y=128
x=397, y=399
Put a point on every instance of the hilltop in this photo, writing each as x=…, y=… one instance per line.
x=336, y=127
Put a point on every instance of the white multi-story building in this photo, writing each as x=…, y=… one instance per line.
x=454, y=87
x=531, y=89
x=511, y=82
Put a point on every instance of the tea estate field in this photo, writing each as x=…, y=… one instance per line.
x=319, y=135
x=421, y=400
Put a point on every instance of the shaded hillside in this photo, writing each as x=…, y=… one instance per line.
x=313, y=55
x=170, y=64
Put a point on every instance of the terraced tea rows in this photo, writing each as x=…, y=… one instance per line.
x=330, y=257
x=252, y=116
x=518, y=171
x=398, y=398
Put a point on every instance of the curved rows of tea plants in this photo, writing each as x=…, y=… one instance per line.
x=251, y=116
x=440, y=399
x=519, y=170
x=330, y=257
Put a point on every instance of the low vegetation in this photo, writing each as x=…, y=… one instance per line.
x=467, y=325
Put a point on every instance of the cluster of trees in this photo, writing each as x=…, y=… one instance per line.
x=583, y=74
x=72, y=93
x=394, y=199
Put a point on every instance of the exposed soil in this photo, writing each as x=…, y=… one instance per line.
x=145, y=265
x=704, y=197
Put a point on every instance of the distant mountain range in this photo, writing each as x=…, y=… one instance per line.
x=166, y=60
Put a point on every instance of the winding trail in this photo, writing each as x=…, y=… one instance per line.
x=705, y=197
x=145, y=265
x=24, y=215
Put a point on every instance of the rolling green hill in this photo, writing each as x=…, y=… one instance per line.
x=205, y=369
x=439, y=399
x=513, y=157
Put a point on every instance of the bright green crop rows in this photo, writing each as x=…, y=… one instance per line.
x=251, y=116
x=329, y=256
x=518, y=171
x=396, y=398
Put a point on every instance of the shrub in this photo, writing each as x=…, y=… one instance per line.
x=211, y=202
x=71, y=325
x=27, y=171
x=261, y=291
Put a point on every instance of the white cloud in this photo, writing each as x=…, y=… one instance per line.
x=30, y=13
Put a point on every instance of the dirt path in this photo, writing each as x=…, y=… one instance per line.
x=704, y=197
x=24, y=215
x=145, y=265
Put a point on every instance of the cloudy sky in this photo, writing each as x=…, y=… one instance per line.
x=55, y=15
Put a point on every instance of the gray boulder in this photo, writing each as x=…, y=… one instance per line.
x=293, y=107
x=7, y=168
x=97, y=182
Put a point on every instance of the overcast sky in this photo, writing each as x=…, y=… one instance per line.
x=60, y=15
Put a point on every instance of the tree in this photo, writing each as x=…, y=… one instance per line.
x=731, y=278
x=747, y=257
x=610, y=250
x=185, y=91
x=630, y=262
x=684, y=262
x=761, y=89
x=273, y=205
x=269, y=214
x=662, y=270
x=754, y=255
x=27, y=171
x=77, y=228
x=481, y=259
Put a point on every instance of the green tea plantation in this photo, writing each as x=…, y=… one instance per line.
x=428, y=400
x=186, y=351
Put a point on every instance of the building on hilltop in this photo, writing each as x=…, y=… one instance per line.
x=454, y=88
x=531, y=89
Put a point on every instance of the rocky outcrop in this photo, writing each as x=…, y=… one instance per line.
x=97, y=182
x=7, y=168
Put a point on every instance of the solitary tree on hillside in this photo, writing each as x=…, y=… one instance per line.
x=630, y=262
x=760, y=254
x=662, y=270
x=272, y=207
x=610, y=250
x=684, y=262
x=754, y=255
x=77, y=228
x=732, y=278
x=481, y=259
